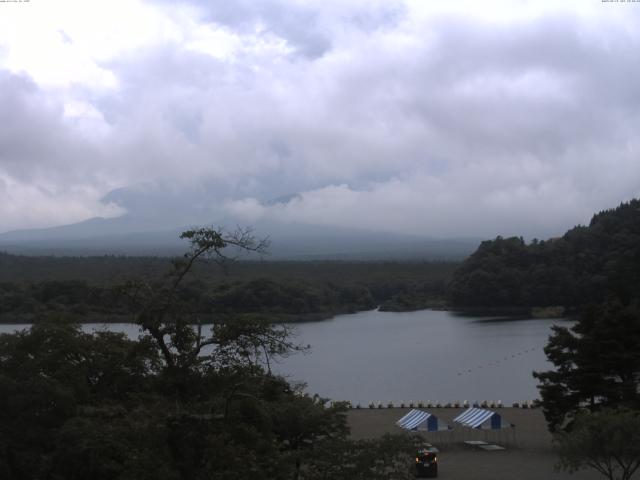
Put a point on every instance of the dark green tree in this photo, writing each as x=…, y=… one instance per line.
x=372, y=459
x=597, y=364
x=607, y=441
x=588, y=264
x=55, y=374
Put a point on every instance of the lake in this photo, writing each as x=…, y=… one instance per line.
x=411, y=356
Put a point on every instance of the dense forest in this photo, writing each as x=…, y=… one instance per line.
x=175, y=404
x=588, y=264
x=595, y=383
x=90, y=288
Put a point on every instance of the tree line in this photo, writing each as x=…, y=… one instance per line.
x=281, y=291
x=588, y=264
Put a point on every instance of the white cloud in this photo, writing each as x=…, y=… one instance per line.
x=42, y=204
x=440, y=118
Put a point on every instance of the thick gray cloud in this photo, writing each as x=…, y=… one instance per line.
x=381, y=115
x=47, y=166
x=307, y=28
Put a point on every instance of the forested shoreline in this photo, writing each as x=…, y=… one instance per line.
x=587, y=265
x=89, y=289
x=509, y=276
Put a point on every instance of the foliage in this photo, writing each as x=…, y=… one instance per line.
x=82, y=288
x=177, y=403
x=607, y=441
x=597, y=364
x=389, y=457
x=267, y=296
x=585, y=265
x=53, y=374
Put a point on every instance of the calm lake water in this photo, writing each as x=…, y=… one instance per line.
x=426, y=355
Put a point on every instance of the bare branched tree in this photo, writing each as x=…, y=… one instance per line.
x=174, y=322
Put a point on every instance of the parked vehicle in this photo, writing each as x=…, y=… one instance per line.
x=427, y=461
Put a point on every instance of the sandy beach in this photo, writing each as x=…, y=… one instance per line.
x=529, y=457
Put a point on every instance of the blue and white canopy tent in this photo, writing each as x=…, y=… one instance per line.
x=421, y=421
x=424, y=422
x=482, y=419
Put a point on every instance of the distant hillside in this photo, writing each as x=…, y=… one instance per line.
x=585, y=265
x=129, y=235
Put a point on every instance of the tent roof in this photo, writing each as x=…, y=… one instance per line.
x=421, y=420
x=477, y=417
x=412, y=419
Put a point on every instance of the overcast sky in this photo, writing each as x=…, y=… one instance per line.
x=441, y=118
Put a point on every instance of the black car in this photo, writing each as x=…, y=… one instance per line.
x=427, y=461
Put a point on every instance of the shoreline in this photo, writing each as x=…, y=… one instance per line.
x=503, y=314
